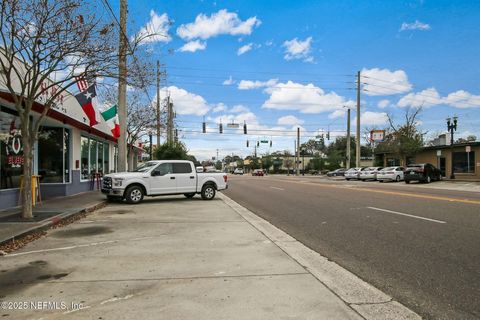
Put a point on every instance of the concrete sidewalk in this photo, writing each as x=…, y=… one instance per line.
x=47, y=213
x=177, y=258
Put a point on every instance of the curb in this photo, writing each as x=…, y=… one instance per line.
x=52, y=221
x=363, y=298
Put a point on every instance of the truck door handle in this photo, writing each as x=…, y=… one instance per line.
x=172, y=178
x=192, y=177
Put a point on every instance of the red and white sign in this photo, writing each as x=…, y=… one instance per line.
x=377, y=135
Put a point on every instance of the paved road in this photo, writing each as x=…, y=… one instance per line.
x=420, y=245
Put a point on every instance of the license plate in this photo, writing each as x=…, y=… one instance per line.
x=412, y=172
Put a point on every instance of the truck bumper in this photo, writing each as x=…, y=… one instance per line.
x=112, y=192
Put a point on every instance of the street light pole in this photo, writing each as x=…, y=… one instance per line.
x=451, y=126
x=151, y=146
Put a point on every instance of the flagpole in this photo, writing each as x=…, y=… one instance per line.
x=122, y=89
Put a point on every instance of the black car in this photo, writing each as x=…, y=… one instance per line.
x=423, y=172
x=335, y=173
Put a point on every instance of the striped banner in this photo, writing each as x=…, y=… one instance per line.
x=81, y=83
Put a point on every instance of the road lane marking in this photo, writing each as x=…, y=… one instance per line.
x=276, y=188
x=395, y=193
x=406, y=215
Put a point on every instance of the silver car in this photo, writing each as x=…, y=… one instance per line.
x=352, y=173
x=369, y=173
x=391, y=174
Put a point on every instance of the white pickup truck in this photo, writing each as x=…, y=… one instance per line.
x=163, y=177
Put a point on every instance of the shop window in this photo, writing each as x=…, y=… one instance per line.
x=100, y=157
x=51, y=155
x=11, y=151
x=464, y=162
x=84, y=159
x=106, y=157
x=95, y=157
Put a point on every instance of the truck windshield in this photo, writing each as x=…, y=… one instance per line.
x=145, y=167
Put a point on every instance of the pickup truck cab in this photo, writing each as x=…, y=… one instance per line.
x=163, y=177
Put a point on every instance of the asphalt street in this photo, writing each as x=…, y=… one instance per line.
x=419, y=245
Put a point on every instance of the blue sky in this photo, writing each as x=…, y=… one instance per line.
x=281, y=64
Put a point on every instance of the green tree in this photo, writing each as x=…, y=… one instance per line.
x=218, y=165
x=176, y=151
x=312, y=147
x=267, y=162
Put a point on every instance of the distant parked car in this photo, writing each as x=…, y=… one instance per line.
x=337, y=172
x=238, y=171
x=257, y=172
x=369, y=173
x=352, y=173
x=423, y=172
x=391, y=174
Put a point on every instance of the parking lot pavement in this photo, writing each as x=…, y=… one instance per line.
x=177, y=258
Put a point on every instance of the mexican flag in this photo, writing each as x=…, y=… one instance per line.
x=111, y=118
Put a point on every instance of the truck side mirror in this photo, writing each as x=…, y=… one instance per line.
x=199, y=169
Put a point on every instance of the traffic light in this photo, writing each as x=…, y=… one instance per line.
x=204, y=127
x=220, y=128
x=245, y=128
x=247, y=144
x=258, y=143
x=328, y=135
x=270, y=143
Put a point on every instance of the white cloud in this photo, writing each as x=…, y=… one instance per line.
x=220, y=108
x=193, y=46
x=298, y=49
x=222, y=22
x=417, y=25
x=187, y=103
x=290, y=121
x=383, y=82
x=156, y=30
x=249, y=85
x=239, y=109
x=337, y=114
x=370, y=118
x=462, y=99
x=304, y=98
x=383, y=103
x=229, y=81
x=244, y=49
x=425, y=98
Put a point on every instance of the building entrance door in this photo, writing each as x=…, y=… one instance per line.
x=442, y=166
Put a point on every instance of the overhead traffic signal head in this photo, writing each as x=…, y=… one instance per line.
x=220, y=128
x=245, y=128
x=204, y=127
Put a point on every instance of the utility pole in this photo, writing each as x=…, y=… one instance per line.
x=348, y=139
x=169, y=121
x=158, y=103
x=122, y=88
x=357, y=162
x=298, y=151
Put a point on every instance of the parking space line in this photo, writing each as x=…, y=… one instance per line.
x=276, y=188
x=406, y=215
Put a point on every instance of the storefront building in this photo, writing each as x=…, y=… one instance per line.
x=466, y=159
x=67, y=156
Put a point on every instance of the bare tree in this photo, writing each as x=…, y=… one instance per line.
x=403, y=139
x=44, y=45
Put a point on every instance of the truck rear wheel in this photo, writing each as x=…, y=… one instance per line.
x=134, y=194
x=208, y=192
